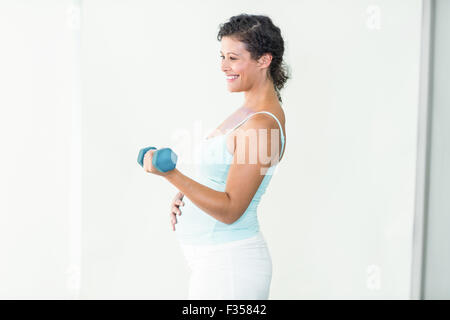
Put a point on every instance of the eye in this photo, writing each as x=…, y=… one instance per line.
x=231, y=58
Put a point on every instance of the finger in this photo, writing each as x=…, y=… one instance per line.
x=179, y=195
x=173, y=227
x=176, y=210
x=175, y=204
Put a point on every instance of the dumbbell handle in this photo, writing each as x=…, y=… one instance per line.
x=163, y=159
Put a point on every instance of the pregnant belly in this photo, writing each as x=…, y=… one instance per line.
x=193, y=221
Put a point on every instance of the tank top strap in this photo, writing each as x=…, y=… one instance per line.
x=279, y=124
x=241, y=122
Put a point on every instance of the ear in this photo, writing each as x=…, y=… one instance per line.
x=265, y=60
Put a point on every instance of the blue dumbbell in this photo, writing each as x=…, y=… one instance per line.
x=163, y=159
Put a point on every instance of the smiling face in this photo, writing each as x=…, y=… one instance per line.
x=236, y=61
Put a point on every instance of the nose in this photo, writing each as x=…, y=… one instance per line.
x=224, y=66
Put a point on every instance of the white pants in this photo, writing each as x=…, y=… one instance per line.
x=239, y=269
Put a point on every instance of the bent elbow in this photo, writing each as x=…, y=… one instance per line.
x=232, y=213
x=230, y=221
x=233, y=217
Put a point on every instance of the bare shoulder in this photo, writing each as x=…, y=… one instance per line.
x=262, y=121
x=265, y=120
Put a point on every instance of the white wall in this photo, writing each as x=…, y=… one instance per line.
x=38, y=232
x=338, y=214
x=353, y=121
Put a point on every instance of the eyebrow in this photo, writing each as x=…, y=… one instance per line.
x=229, y=52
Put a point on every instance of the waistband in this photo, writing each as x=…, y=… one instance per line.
x=257, y=240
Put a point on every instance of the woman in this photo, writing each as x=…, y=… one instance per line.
x=219, y=231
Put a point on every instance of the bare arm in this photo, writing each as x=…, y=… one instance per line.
x=228, y=206
x=250, y=162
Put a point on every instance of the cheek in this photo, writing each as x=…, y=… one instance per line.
x=243, y=71
x=239, y=68
x=242, y=74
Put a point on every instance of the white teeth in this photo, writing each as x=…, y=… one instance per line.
x=232, y=77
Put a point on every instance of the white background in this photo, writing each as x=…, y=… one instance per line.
x=338, y=213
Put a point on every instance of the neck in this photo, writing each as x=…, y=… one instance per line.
x=260, y=97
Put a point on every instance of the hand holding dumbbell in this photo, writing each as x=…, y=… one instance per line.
x=163, y=160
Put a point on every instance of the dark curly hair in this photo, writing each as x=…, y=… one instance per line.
x=259, y=36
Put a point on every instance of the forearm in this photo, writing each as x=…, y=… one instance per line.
x=215, y=203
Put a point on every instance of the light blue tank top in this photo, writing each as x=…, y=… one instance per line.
x=195, y=226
